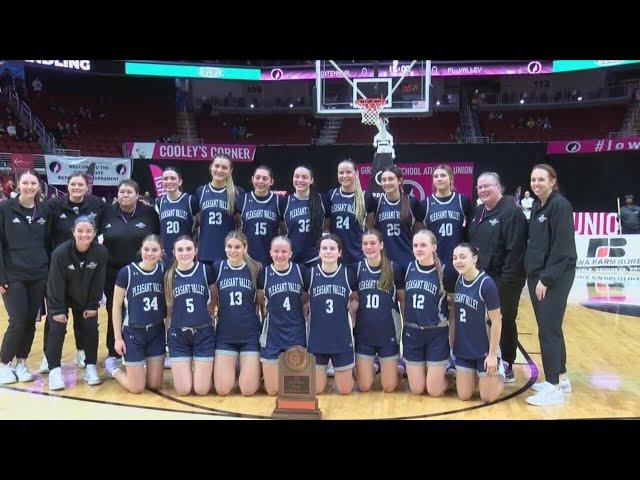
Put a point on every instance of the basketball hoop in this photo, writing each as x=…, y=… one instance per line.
x=370, y=109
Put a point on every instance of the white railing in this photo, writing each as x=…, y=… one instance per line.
x=66, y=152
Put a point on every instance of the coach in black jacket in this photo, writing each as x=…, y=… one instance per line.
x=24, y=261
x=499, y=230
x=550, y=263
x=76, y=281
x=64, y=211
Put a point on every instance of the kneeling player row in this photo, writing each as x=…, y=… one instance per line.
x=284, y=294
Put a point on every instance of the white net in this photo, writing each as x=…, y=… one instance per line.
x=370, y=109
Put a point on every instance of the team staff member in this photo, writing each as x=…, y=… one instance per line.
x=24, y=261
x=76, y=282
x=64, y=212
x=499, y=231
x=124, y=225
x=550, y=263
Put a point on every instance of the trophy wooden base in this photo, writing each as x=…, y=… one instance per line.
x=290, y=409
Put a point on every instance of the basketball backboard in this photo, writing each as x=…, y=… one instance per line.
x=403, y=83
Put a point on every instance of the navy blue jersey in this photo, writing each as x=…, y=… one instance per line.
x=340, y=207
x=375, y=323
x=425, y=303
x=237, y=317
x=297, y=220
x=260, y=220
x=144, y=299
x=472, y=302
x=215, y=221
x=445, y=217
x=284, y=322
x=329, y=326
x=397, y=236
x=176, y=219
x=191, y=296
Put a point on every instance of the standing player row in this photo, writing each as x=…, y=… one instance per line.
x=303, y=215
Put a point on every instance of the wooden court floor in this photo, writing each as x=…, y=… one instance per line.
x=603, y=348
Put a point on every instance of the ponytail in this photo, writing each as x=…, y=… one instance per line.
x=385, y=282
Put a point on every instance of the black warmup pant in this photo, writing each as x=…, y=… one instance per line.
x=57, y=331
x=509, y=294
x=77, y=331
x=22, y=302
x=549, y=315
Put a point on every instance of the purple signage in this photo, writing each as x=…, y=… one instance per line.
x=528, y=68
x=603, y=145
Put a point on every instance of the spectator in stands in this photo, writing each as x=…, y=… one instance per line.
x=527, y=204
x=521, y=123
x=629, y=216
x=11, y=129
x=492, y=116
x=531, y=122
x=546, y=124
x=37, y=86
x=75, y=129
x=19, y=87
x=6, y=81
x=8, y=188
x=20, y=131
x=3, y=130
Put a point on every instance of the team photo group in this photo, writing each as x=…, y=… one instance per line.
x=217, y=283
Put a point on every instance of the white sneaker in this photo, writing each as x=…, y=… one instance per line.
x=7, y=376
x=549, y=396
x=330, y=370
x=110, y=363
x=112, y=372
x=23, y=374
x=565, y=385
x=91, y=375
x=55, y=379
x=80, y=358
x=44, y=365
